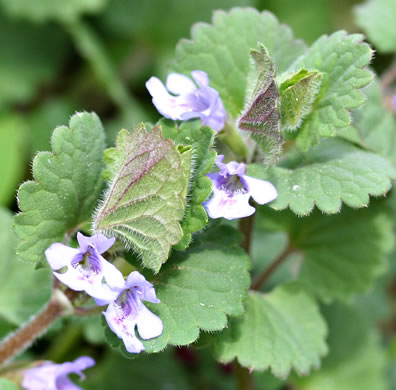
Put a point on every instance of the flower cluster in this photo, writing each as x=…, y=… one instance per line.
x=84, y=269
x=51, y=376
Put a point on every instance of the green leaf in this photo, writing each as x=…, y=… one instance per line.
x=66, y=186
x=13, y=130
x=201, y=140
x=355, y=362
x=146, y=198
x=331, y=173
x=198, y=288
x=342, y=59
x=377, y=19
x=261, y=115
x=23, y=291
x=340, y=255
x=222, y=50
x=44, y=10
x=344, y=254
x=375, y=125
x=297, y=93
x=30, y=57
x=280, y=330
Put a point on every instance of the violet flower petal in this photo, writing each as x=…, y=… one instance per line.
x=167, y=105
x=201, y=78
x=232, y=190
x=261, y=191
x=149, y=325
x=100, y=242
x=128, y=312
x=98, y=278
x=137, y=279
x=59, y=255
x=124, y=328
x=51, y=376
x=220, y=205
x=190, y=101
x=179, y=84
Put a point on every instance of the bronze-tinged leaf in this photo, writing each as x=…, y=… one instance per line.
x=146, y=199
x=261, y=115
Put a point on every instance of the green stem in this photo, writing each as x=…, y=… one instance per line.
x=91, y=48
x=246, y=228
x=231, y=137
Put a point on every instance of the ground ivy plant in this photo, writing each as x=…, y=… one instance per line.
x=244, y=221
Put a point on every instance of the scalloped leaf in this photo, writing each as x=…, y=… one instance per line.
x=377, y=19
x=146, y=198
x=375, y=126
x=203, y=157
x=342, y=59
x=67, y=184
x=222, y=50
x=344, y=254
x=280, y=330
x=198, y=289
x=333, y=172
x=297, y=93
x=356, y=360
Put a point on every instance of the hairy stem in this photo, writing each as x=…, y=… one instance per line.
x=263, y=277
x=91, y=48
x=22, y=338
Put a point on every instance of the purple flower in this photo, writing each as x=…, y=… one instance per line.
x=232, y=190
x=86, y=269
x=51, y=376
x=394, y=102
x=190, y=101
x=128, y=311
